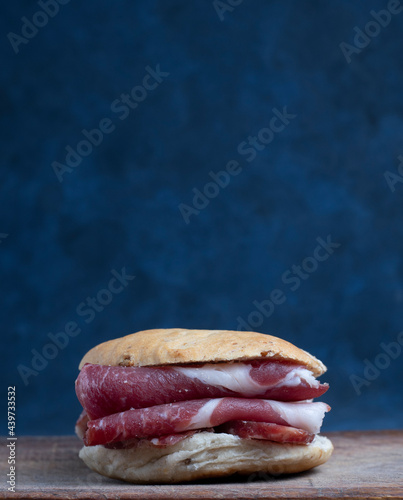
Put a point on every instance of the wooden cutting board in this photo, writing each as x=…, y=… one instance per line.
x=363, y=465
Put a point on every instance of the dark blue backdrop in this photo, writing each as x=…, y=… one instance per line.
x=219, y=77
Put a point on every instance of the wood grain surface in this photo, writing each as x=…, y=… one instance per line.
x=364, y=465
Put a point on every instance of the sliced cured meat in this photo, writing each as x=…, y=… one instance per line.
x=144, y=422
x=198, y=414
x=157, y=442
x=171, y=439
x=104, y=390
x=243, y=429
x=267, y=432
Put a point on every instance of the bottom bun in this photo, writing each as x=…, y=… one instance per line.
x=205, y=455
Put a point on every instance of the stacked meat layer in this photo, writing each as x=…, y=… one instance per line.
x=260, y=399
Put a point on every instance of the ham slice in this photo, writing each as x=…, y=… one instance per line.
x=184, y=416
x=105, y=390
x=240, y=428
x=157, y=442
x=267, y=432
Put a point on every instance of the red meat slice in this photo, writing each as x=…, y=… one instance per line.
x=174, y=418
x=267, y=432
x=105, y=390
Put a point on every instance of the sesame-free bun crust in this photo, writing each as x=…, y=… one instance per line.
x=180, y=346
x=205, y=455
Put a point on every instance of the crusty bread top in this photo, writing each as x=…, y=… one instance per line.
x=180, y=346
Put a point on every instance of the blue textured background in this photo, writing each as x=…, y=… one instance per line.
x=322, y=175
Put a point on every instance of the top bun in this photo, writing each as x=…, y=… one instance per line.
x=179, y=346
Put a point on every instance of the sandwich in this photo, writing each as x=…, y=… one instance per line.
x=174, y=405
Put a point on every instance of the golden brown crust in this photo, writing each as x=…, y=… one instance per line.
x=181, y=346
